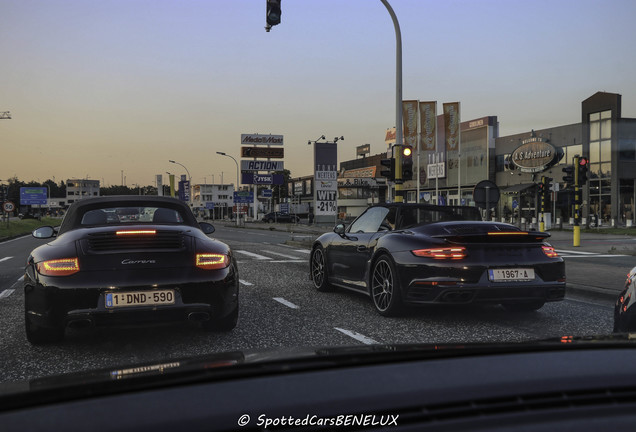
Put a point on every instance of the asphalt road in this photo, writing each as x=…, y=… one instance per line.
x=278, y=308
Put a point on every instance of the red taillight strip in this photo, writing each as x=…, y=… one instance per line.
x=59, y=267
x=458, y=252
x=137, y=232
x=508, y=233
x=549, y=251
x=212, y=261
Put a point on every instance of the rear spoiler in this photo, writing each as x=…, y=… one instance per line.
x=497, y=237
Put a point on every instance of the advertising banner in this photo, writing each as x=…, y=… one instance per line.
x=451, y=125
x=262, y=179
x=184, y=190
x=409, y=121
x=263, y=152
x=159, y=180
x=325, y=177
x=259, y=165
x=389, y=138
x=257, y=139
x=428, y=123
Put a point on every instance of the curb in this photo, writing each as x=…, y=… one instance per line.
x=592, y=291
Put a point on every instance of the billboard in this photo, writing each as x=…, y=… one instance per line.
x=257, y=139
x=325, y=178
x=260, y=165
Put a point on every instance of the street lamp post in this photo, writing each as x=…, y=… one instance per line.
x=189, y=180
x=237, y=180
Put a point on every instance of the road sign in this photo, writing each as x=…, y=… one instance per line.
x=243, y=197
x=32, y=195
x=486, y=194
x=267, y=193
x=8, y=206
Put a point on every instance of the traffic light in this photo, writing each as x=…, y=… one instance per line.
x=407, y=163
x=583, y=168
x=273, y=12
x=569, y=174
x=390, y=172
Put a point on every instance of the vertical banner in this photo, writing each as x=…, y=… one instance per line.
x=389, y=138
x=451, y=125
x=409, y=120
x=159, y=180
x=428, y=123
x=325, y=180
x=172, y=185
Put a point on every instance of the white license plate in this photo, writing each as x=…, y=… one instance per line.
x=139, y=298
x=511, y=274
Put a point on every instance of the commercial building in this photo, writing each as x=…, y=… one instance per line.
x=216, y=199
x=77, y=189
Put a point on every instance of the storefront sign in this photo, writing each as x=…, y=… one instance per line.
x=534, y=155
x=257, y=165
x=263, y=152
x=256, y=139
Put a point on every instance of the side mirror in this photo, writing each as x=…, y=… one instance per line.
x=44, y=232
x=339, y=229
x=207, y=228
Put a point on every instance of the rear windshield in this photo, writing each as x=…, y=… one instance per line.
x=409, y=217
x=123, y=215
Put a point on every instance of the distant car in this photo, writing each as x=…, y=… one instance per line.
x=281, y=217
x=102, y=269
x=624, y=310
x=416, y=254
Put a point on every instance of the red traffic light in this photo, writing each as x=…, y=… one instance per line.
x=583, y=161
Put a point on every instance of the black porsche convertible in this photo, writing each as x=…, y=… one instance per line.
x=417, y=254
x=128, y=260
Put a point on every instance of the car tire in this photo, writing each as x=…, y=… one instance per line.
x=225, y=324
x=385, y=288
x=318, y=269
x=525, y=306
x=38, y=335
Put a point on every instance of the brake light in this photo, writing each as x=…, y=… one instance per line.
x=137, y=232
x=507, y=233
x=549, y=251
x=211, y=261
x=59, y=267
x=458, y=252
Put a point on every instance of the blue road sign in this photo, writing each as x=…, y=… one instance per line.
x=32, y=195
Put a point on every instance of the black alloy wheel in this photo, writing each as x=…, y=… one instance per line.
x=385, y=290
x=318, y=268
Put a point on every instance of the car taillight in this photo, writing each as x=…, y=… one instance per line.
x=136, y=232
x=549, y=251
x=58, y=267
x=458, y=252
x=212, y=261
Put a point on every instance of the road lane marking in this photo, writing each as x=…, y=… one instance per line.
x=307, y=251
x=591, y=256
x=15, y=239
x=357, y=336
x=286, y=303
x=253, y=255
x=288, y=261
x=6, y=293
x=245, y=282
x=5, y=258
x=575, y=252
x=281, y=254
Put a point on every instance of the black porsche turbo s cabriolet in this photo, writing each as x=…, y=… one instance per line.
x=128, y=260
x=417, y=254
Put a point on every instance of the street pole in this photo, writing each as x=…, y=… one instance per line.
x=399, y=197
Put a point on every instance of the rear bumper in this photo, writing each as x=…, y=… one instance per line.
x=461, y=284
x=51, y=306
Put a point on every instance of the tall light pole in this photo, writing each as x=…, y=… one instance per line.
x=398, y=103
x=237, y=179
x=189, y=180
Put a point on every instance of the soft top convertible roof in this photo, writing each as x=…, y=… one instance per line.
x=76, y=211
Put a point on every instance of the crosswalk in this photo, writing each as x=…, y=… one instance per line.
x=271, y=256
x=564, y=253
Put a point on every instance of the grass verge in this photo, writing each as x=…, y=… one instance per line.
x=18, y=227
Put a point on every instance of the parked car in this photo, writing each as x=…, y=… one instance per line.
x=421, y=254
x=624, y=310
x=102, y=270
x=281, y=217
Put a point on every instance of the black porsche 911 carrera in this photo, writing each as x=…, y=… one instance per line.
x=128, y=260
x=417, y=254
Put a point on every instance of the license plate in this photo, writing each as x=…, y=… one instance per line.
x=511, y=274
x=139, y=298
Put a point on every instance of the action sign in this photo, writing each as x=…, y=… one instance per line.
x=256, y=165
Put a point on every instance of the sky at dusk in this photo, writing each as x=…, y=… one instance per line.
x=97, y=87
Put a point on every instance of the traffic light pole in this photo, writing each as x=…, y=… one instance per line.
x=399, y=197
x=577, y=199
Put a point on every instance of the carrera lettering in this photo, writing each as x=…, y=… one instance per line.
x=130, y=261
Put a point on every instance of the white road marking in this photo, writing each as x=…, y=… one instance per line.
x=281, y=254
x=15, y=239
x=6, y=293
x=286, y=303
x=288, y=261
x=5, y=258
x=253, y=255
x=245, y=282
x=575, y=252
x=357, y=336
x=591, y=256
x=307, y=251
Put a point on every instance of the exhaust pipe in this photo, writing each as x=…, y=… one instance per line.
x=198, y=316
x=81, y=323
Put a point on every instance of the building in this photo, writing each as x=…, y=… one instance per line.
x=77, y=189
x=218, y=198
